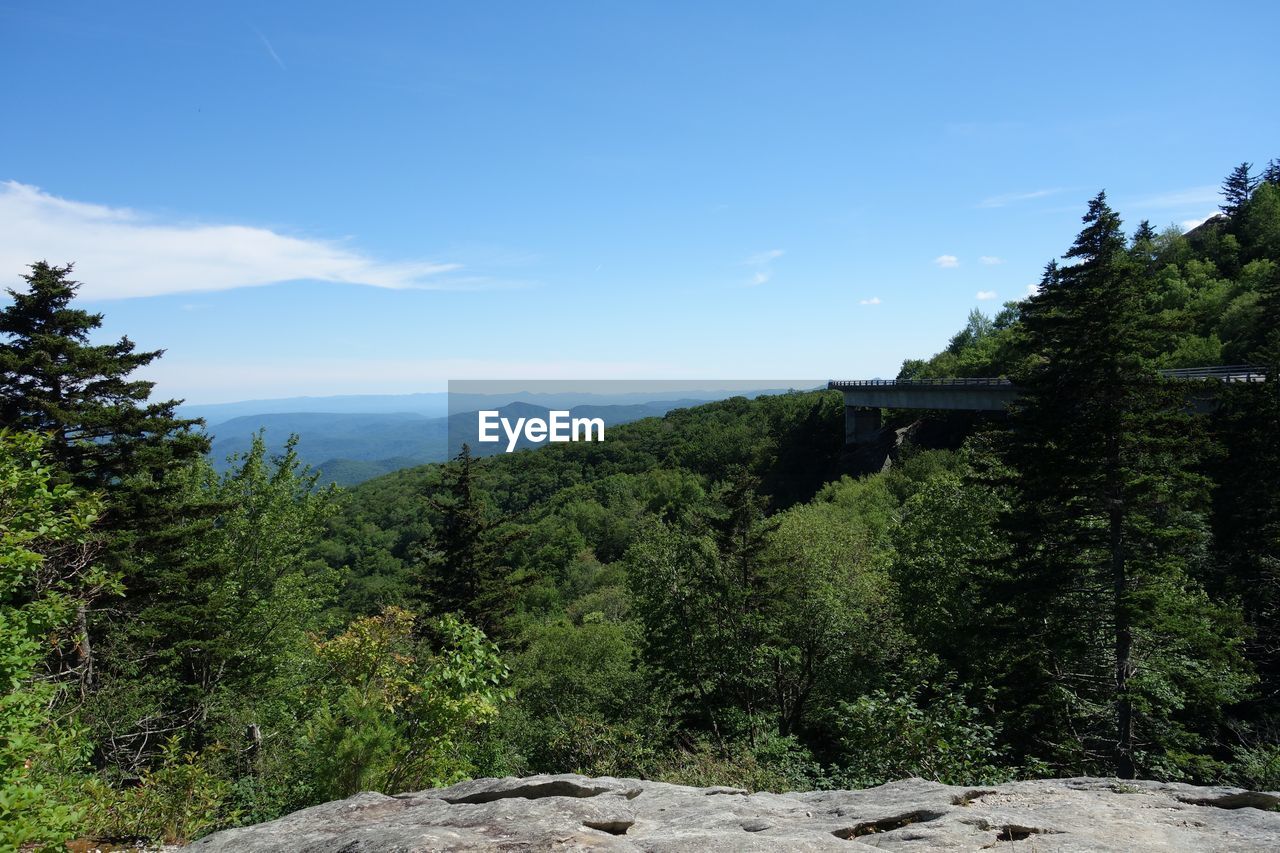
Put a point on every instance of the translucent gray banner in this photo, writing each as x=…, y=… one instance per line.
x=507, y=415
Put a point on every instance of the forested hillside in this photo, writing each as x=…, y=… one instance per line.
x=1089, y=585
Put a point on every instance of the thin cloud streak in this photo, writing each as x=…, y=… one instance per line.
x=762, y=260
x=946, y=262
x=1013, y=198
x=270, y=50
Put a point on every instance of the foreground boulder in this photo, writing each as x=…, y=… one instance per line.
x=570, y=812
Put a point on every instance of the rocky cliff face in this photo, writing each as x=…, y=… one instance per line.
x=570, y=812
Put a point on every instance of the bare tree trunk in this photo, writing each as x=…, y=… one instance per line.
x=1120, y=609
x=1124, y=668
x=254, y=734
x=84, y=652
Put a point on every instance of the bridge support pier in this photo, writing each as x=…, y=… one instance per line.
x=860, y=424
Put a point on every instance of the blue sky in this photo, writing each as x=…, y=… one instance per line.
x=323, y=198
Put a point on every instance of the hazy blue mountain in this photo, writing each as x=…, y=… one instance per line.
x=431, y=405
x=461, y=401
x=347, y=448
x=399, y=431
x=438, y=404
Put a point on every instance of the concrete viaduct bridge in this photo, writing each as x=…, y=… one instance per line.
x=864, y=398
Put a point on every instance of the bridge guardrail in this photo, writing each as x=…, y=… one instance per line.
x=955, y=380
x=1225, y=373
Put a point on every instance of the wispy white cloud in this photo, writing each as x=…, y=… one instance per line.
x=990, y=260
x=1033, y=289
x=1187, y=224
x=986, y=294
x=1013, y=198
x=947, y=262
x=875, y=300
x=762, y=258
x=271, y=51
x=120, y=253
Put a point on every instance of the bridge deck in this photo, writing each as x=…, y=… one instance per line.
x=864, y=398
x=989, y=393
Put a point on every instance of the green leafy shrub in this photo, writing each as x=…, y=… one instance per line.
x=1258, y=767
x=400, y=702
x=176, y=801
x=885, y=737
x=32, y=816
x=772, y=763
x=38, y=595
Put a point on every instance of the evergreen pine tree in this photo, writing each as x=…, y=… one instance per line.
x=1271, y=174
x=1247, y=502
x=463, y=564
x=53, y=380
x=105, y=433
x=1145, y=234
x=739, y=526
x=703, y=587
x=1107, y=526
x=1237, y=188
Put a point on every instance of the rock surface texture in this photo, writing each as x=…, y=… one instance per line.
x=570, y=812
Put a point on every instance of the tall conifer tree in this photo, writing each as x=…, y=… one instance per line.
x=52, y=379
x=1108, y=524
x=105, y=432
x=463, y=564
x=1237, y=188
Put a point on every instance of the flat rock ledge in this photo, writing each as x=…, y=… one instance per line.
x=571, y=812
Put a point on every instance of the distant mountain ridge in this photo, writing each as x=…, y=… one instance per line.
x=353, y=438
x=348, y=448
x=434, y=404
x=438, y=404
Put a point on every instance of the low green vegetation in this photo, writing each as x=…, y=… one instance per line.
x=1089, y=585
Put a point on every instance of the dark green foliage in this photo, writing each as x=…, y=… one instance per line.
x=44, y=531
x=583, y=703
x=53, y=380
x=1247, y=519
x=948, y=546
x=1271, y=175
x=1108, y=522
x=885, y=737
x=984, y=347
x=1237, y=188
x=1144, y=238
x=462, y=567
x=204, y=647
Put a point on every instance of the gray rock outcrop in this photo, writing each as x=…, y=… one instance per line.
x=570, y=812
